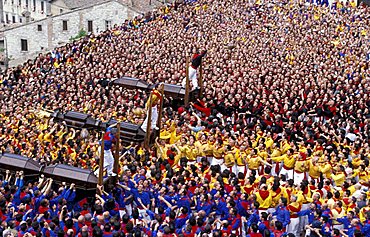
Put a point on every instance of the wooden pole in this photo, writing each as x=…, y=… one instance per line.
x=116, y=154
x=200, y=82
x=101, y=161
x=149, y=124
x=161, y=90
x=186, y=99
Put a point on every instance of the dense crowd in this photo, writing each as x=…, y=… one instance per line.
x=278, y=145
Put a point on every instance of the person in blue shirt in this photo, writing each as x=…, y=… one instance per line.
x=203, y=204
x=254, y=217
x=366, y=227
x=346, y=220
x=109, y=139
x=282, y=214
x=310, y=212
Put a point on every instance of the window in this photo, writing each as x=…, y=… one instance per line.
x=20, y=19
x=6, y=18
x=60, y=10
x=65, y=25
x=34, y=5
x=42, y=6
x=13, y=17
x=24, y=45
x=108, y=25
x=26, y=3
x=90, y=26
x=39, y=27
x=20, y=2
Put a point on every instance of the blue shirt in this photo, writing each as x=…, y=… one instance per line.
x=309, y=213
x=108, y=139
x=282, y=214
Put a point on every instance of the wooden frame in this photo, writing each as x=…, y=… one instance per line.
x=187, y=89
x=101, y=162
x=116, y=154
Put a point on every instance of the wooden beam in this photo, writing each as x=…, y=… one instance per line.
x=116, y=153
x=200, y=82
x=161, y=91
x=186, y=99
x=101, y=161
x=149, y=124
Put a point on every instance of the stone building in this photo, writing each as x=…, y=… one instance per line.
x=21, y=42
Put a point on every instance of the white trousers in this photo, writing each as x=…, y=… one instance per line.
x=154, y=119
x=298, y=178
x=241, y=169
x=293, y=226
x=108, y=162
x=303, y=220
x=192, y=77
x=287, y=173
x=216, y=161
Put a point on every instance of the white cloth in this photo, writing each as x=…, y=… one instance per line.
x=192, y=77
x=293, y=226
x=108, y=162
x=298, y=178
x=154, y=119
x=241, y=169
x=287, y=173
x=216, y=161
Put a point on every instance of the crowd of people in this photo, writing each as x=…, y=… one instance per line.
x=278, y=144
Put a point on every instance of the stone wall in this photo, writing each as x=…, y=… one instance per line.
x=52, y=33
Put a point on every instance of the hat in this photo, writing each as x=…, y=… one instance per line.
x=180, y=110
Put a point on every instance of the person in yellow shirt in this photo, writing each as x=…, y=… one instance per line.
x=294, y=207
x=275, y=152
x=325, y=167
x=313, y=169
x=339, y=176
x=241, y=161
x=218, y=152
x=289, y=161
x=338, y=212
x=183, y=147
x=254, y=161
x=300, y=168
x=268, y=141
x=263, y=197
x=202, y=146
x=192, y=151
x=229, y=160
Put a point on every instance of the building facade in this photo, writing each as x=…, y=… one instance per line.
x=21, y=11
x=25, y=41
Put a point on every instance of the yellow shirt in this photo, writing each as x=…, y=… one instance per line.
x=202, y=148
x=325, y=169
x=289, y=161
x=229, y=159
x=313, y=170
x=218, y=152
x=264, y=202
x=338, y=178
x=253, y=162
x=241, y=159
x=269, y=142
